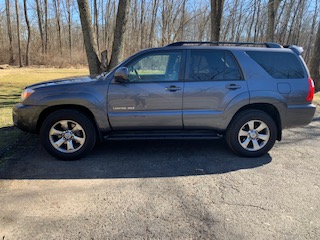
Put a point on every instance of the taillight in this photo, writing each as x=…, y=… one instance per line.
x=311, y=90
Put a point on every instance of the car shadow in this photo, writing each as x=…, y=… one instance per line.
x=132, y=159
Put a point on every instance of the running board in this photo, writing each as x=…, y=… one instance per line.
x=162, y=135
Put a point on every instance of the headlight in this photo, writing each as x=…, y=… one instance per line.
x=26, y=93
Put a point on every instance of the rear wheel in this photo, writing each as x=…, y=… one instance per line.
x=67, y=134
x=252, y=133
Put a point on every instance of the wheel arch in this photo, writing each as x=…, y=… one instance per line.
x=46, y=112
x=268, y=108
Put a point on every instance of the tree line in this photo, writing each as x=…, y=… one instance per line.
x=54, y=32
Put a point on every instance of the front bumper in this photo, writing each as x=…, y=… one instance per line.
x=26, y=117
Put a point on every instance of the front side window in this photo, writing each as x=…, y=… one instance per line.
x=207, y=65
x=156, y=67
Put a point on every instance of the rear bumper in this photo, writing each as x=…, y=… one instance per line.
x=26, y=117
x=298, y=115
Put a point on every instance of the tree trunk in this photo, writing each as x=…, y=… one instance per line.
x=142, y=25
x=11, y=60
x=18, y=33
x=155, y=5
x=272, y=12
x=29, y=31
x=256, y=26
x=315, y=61
x=69, y=26
x=40, y=19
x=96, y=23
x=121, y=21
x=179, y=36
x=216, y=16
x=293, y=19
x=88, y=37
x=46, y=26
x=57, y=13
x=252, y=20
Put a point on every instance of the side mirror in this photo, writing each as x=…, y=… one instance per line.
x=121, y=74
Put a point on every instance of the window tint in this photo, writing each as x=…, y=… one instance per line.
x=279, y=65
x=156, y=67
x=213, y=65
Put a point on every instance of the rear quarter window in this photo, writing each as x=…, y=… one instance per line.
x=280, y=65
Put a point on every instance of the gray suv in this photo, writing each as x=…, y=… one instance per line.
x=244, y=92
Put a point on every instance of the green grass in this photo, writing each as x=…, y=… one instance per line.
x=12, y=81
x=316, y=99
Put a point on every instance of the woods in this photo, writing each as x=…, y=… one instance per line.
x=49, y=32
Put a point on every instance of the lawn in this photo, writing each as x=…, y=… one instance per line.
x=316, y=99
x=12, y=81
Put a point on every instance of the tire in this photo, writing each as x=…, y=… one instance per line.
x=68, y=134
x=252, y=133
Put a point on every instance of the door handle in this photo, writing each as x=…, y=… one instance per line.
x=172, y=88
x=233, y=86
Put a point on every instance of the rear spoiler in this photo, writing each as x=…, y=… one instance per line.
x=297, y=49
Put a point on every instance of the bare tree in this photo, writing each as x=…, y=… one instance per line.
x=58, y=13
x=216, y=17
x=121, y=21
x=142, y=21
x=293, y=20
x=29, y=31
x=273, y=6
x=155, y=5
x=88, y=37
x=180, y=33
x=11, y=60
x=315, y=61
x=46, y=25
x=171, y=11
x=54, y=29
x=253, y=16
x=201, y=23
x=18, y=33
x=96, y=23
x=70, y=26
x=312, y=32
x=40, y=24
x=108, y=23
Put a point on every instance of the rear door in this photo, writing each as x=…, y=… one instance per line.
x=213, y=80
x=152, y=97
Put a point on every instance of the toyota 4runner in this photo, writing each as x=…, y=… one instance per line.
x=245, y=92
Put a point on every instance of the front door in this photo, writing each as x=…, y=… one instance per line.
x=152, y=96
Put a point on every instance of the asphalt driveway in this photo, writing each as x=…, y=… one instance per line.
x=187, y=189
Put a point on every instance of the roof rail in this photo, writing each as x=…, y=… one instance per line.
x=267, y=44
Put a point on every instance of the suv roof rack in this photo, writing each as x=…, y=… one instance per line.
x=267, y=44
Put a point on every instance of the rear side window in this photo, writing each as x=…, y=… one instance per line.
x=208, y=65
x=279, y=65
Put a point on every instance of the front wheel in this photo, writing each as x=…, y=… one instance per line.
x=252, y=133
x=67, y=134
